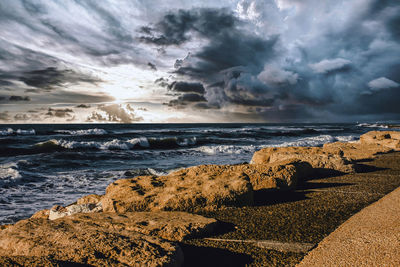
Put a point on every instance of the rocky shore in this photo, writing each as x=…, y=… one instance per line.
x=268, y=212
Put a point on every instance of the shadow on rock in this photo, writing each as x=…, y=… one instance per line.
x=208, y=256
x=319, y=173
x=265, y=197
x=364, y=168
x=223, y=228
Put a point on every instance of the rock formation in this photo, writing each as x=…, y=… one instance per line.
x=59, y=211
x=192, y=189
x=319, y=158
x=75, y=240
x=356, y=151
x=282, y=175
x=387, y=139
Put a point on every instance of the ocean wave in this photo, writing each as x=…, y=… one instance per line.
x=94, y=131
x=372, y=125
x=9, y=174
x=226, y=149
x=10, y=131
x=316, y=140
x=115, y=144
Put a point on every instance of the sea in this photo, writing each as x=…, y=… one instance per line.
x=55, y=164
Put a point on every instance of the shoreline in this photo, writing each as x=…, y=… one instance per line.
x=305, y=212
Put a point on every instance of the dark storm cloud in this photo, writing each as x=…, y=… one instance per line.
x=231, y=51
x=19, y=98
x=152, y=66
x=83, y=106
x=52, y=77
x=187, y=87
x=298, y=71
x=174, y=28
x=185, y=99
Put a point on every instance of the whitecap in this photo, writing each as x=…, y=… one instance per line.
x=10, y=131
x=94, y=131
x=9, y=174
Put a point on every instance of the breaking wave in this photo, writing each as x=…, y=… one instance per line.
x=10, y=131
x=9, y=174
x=115, y=144
x=373, y=125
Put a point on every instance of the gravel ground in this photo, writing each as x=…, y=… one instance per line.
x=307, y=215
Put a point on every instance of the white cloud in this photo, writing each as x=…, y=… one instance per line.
x=328, y=65
x=274, y=76
x=382, y=83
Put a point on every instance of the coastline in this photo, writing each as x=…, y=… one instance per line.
x=304, y=214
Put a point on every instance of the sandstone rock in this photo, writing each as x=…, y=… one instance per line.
x=4, y=226
x=44, y=214
x=319, y=158
x=356, y=151
x=388, y=139
x=170, y=225
x=89, y=199
x=57, y=212
x=283, y=175
x=192, y=189
x=85, y=242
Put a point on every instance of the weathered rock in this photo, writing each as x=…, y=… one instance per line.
x=44, y=214
x=4, y=226
x=192, y=189
x=283, y=175
x=319, y=158
x=356, y=151
x=388, y=139
x=85, y=242
x=89, y=199
x=57, y=212
x=170, y=225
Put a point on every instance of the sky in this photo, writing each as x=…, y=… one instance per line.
x=150, y=61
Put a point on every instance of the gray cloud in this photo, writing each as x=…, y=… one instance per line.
x=52, y=77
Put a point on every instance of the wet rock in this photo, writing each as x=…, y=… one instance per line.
x=73, y=240
x=204, y=187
